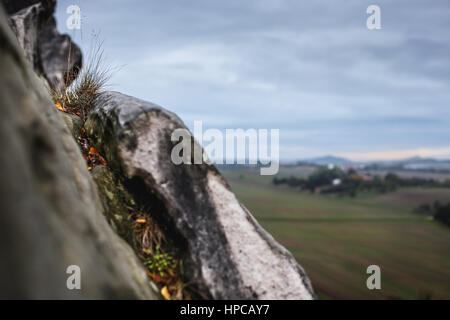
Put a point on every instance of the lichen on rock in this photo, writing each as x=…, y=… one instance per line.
x=117, y=201
x=74, y=124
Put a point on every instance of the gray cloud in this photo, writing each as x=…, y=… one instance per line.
x=310, y=68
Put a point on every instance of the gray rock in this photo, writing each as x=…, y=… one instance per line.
x=27, y=25
x=74, y=124
x=116, y=201
x=61, y=57
x=50, y=212
x=51, y=54
x=228, y=254
x=13, y=6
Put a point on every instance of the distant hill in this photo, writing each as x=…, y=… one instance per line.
x=413, y=163
x=423, y=160
x=418, y=163
x=329, y=159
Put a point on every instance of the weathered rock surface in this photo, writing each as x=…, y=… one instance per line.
x=116, y=200
x=50, y=211
x=27, y=25
x=13, y=6
x=60, y=56
x=51, y=54
x=74, y=123
x=228, y=254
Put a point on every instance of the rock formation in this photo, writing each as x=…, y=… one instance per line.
x=51, y=215
x=51, y=54
x=56, y=213
x=227, y=253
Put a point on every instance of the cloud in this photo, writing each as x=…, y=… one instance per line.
x=310, y=68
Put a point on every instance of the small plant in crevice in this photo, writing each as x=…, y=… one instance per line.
x=161, y=261
x=78, y=98
x=89, y=82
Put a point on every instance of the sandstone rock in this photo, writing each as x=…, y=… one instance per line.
x=228, y=254
x=53, y=55
x=74, y=124
x=116, y=200
x=61, y=57
x=13, y=6
x=50, y=212
x=27, y=25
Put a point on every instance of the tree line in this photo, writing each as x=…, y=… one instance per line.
x=337, y=181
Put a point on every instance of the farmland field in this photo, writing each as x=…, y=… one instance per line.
x=336, y=238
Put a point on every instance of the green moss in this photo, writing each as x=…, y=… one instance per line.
x=159, y=262
x=115, y=199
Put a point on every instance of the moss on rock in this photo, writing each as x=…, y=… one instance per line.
x=74, y=123
x=117, y=201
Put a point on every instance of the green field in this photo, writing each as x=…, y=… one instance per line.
x=336, y=238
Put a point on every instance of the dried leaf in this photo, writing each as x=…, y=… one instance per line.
x=58, y=105
x=165, y=293
x=92, y=150
x=155, y=277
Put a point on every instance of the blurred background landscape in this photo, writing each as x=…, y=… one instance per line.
x=371, y=217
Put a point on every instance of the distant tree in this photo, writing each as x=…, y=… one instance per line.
x=392, y=178
x=424, y=208
x=442, y=213
x=322, y=177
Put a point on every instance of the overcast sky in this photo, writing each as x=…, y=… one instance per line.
x=310, y=68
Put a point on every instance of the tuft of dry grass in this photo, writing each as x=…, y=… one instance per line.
x=88, y=84
x=147, y=234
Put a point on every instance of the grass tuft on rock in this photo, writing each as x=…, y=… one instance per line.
x=78, y=98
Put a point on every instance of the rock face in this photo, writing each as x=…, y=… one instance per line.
x=13, y=6
x=115, y=199
x=52, y=55
x=51, y=215
x=228, y=255
x=27, y=25
x=61, y=58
